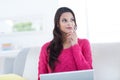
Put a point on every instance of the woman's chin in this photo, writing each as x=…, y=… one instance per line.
x=70, y=31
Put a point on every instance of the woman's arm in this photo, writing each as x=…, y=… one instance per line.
x=82, y=55
x=42, y=64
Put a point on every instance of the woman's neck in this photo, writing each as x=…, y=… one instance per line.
x=66, y=44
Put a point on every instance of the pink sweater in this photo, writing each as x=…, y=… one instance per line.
x=77, y=57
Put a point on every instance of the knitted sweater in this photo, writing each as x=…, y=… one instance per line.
x=76, y=57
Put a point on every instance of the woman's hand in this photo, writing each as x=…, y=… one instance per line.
x=71, y=37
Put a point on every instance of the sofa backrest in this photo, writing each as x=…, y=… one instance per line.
x=31, y=64
x=106, y=61
x=19, y=62
x=106, y=57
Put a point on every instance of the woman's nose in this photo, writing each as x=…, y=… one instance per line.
x=69, y=23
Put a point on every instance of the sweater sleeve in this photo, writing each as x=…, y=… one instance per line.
x=82, y=55
x=42, y=64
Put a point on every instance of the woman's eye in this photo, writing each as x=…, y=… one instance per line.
x=64, y=20
x=72, y=19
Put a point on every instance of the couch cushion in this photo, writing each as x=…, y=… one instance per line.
x=11, y=77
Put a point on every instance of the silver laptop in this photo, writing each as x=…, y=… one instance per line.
x=71, y=75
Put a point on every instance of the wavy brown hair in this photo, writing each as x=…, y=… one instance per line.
x=56, y=45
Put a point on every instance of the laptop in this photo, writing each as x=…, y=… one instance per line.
x=71, y=75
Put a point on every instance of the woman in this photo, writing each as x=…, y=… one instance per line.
x=65, y=52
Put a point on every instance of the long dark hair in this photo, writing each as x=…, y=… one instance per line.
x=56, y=45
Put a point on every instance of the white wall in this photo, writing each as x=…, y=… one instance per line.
x=15, y=8
x=103, y=20
x=12, y=9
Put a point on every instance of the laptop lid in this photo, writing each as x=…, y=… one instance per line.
x=71, y=75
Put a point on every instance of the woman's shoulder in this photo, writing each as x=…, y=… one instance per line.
x=83, y=41
x=45, y=45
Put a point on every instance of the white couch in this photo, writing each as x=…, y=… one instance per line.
x=24, y=64
x=106, y=62
x=31, y=64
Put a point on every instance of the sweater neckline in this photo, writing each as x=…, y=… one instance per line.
x=64, y=49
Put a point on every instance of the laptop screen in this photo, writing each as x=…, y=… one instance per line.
x=71, y=75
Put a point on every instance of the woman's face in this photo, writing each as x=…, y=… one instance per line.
x=67, y=22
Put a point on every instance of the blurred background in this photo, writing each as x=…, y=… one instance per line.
x=29, y=23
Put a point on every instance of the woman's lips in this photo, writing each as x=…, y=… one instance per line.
x=70, y=28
